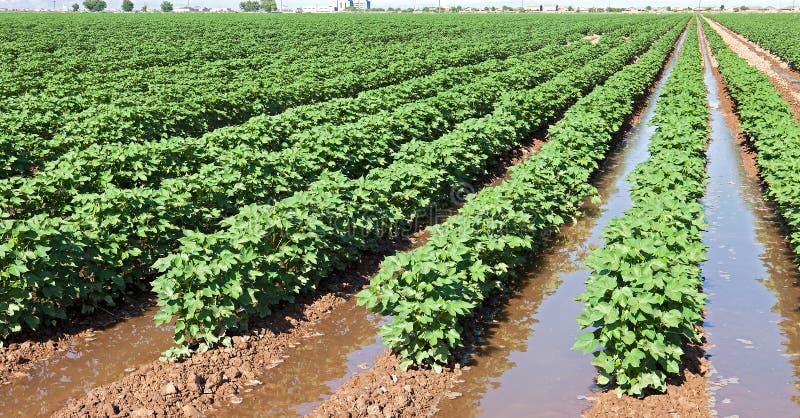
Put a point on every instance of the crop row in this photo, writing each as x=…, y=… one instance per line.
x=643, y=301
x=104, y=50
x=37, y=129
x=33, y=135
x=284, y=138
x=431, y=289
x=767, y=122
x=267, y=254
x=50, y=266
x=123, y=231
x=775, y=33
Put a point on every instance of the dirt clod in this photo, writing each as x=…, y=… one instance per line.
x=190, y=412
x=169, y=389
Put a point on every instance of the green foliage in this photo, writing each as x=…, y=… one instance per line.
x=269, y=5
x=250, y=6
x=642, y=298
x=166, y=6
x=429, y=290
x=777, y=33
x=127, y=6
x=75, y=7
x=267, y=254
x=257, y=78
x=101, y=182
x=94, y=5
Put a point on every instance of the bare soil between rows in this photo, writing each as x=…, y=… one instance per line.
x=30, y=347
x=765, y=62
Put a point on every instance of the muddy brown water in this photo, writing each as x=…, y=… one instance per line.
x=752, y=319
x=527, y=367
x=346, y=343
x=101, y=358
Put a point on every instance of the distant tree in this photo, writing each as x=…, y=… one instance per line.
x=409, y=10
x=166, y=6
x=127, y=6
x=250, y=6
x=570, y=9
x=144, y=9
x=649, y=8
x=75, y=7
x=269, y=5
x=94, y=5
x=669, y=9
x=722, y=7
x=743, y=8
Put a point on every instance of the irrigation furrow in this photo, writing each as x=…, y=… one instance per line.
x=532, y=336
x=537, y=328
x=752, y=283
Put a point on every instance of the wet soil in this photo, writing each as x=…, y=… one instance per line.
x=387, y=391
x=782, y=76
x=344, y=343
x=95, y=359
x=26, y=350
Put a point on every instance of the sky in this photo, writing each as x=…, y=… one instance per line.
x=115, y=4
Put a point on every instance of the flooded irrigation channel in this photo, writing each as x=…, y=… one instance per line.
x=346, y=343
x=526, y=364
x=100, y=358
x=752, y=311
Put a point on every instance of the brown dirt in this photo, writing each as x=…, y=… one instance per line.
x=764, y=62
x=211, y=380
x=28, y=348
x=386, y=391
x=595, y=39
x=687, y=395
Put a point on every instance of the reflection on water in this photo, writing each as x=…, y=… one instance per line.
x=346, y=344
x=97, y=360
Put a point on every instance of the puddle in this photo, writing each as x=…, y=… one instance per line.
x=527, y=363
x=752, y=311
x=86, y=364
x=315, y=369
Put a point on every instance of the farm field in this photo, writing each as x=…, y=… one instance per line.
x=399, y=215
